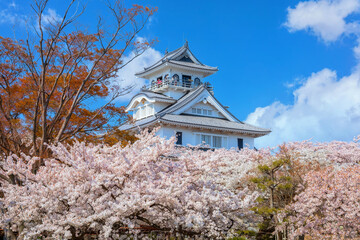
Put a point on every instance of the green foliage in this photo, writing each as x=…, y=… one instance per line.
x=237, y=238
x=263, y=168
x=243, y=235
x=276, y=180
x=264, y=211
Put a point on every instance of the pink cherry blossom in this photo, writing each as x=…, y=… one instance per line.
x=329, y=206
x=101, y=189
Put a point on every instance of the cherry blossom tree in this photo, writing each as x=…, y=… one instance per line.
x=281, y=176
x=329, y=206
x=327, y=201
x=152, y=185
x=108, y=191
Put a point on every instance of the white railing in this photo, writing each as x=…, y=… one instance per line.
x=158, y=84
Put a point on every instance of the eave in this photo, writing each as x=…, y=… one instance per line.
x=158, y=120
x=148, y=73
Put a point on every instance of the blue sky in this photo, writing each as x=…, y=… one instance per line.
x=291, y=66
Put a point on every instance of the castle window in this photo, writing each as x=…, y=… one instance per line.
x=179, y=138
x=186, y=81
x=213, y=141
x=206, y=139
x=196, y=82
x=159, y=80
x=200, y=111
x=175, y=80
x=217, y=141
x=240, y=143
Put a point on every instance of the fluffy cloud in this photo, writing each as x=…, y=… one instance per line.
x=8, y=16
x=12, y=4
x=11, y=15
x=325, y=108
x=51, y=17
x=325, y=18
x=127, y=74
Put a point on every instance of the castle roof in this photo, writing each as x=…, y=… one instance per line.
x=179, y=58
x=151, y=97
x=170, y=115
x=201, y=122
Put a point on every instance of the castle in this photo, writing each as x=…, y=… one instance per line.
x=181, y=103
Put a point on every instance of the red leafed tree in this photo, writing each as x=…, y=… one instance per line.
x=49, y=80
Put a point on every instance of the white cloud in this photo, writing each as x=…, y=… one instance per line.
x=325, y=108
x=12, y=4
x=325, y=18
x=50, y=17
x=8, y=16
x=11, y=16
x=127, y=74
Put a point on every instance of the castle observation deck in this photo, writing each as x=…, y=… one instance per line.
x=174, y=83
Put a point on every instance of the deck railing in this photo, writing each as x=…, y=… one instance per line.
x=164, y=84
x=159, y=84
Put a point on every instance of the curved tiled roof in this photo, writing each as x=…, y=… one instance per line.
x=153, y=95
x=201, y=122
x=167, y=116
x=213, y=123
x=171, y=58
x=156, y=95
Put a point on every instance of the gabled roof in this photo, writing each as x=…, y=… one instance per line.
x=176, y=59
x=184, y=100
x=151, y=97
x=173, y=115
x=194, y=95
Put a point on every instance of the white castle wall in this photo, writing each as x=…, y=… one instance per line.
x=189, y=136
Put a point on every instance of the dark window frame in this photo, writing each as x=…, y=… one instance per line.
x=240, y=142
x=186, y=80
x=197, y=82
x=175, y=80
x=178, y=136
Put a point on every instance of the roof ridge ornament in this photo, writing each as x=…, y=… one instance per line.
x=186, y=44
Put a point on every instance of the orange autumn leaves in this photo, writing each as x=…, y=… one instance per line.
x=59, y=85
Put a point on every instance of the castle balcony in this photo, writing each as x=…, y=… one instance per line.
x=171, y=84
x=167, y=84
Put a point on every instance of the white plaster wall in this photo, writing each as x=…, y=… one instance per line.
x=248, y=142
x=158, y=106
x=189, y=137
